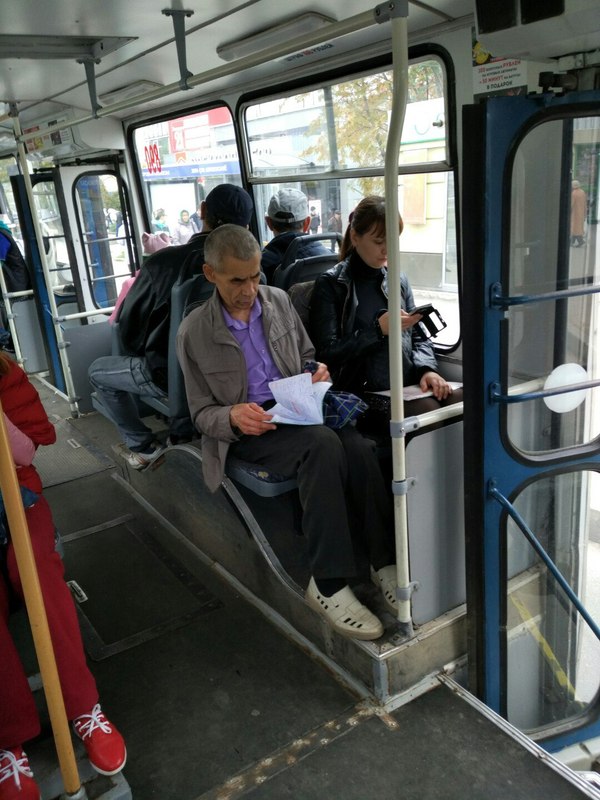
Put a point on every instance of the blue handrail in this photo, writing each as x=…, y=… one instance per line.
x=535, y=543
x=499, y=300
x=497, y=397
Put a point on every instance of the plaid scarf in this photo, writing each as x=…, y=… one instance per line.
x=341, y=408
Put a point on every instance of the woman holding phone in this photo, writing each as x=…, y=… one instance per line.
x=349, y=323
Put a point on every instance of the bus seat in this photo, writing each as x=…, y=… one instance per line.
x=174, y=405
x=68, y=307
x=300, y=294
x=291, y=254
x=258, y=479
x=116, y=343
x=303, y=269
x=201, y=292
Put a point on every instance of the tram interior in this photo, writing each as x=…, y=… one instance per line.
x=191, y=603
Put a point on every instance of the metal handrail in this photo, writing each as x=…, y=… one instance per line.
x=498, y=300
x=496, y=397
x=83, y=314
x=537, y=546
x=399, y=30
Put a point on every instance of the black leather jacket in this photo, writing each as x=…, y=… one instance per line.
x=144, y=317
x=344, y=349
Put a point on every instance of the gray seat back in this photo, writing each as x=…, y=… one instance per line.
x=302, y=270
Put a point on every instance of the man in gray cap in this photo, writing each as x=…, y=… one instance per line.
x=288, y=217
x=144, y=322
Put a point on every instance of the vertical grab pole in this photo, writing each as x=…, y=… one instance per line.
x=19, y=534
x=397, y=13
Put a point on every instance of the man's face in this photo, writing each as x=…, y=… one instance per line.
x=237, y=284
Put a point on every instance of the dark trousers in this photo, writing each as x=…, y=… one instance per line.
x=341, y=489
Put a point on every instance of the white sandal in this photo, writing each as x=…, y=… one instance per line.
x=345, y=613
x=386, y=581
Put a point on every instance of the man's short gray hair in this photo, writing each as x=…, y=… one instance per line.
x=229, y=240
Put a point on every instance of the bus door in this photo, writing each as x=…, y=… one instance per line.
x=532, y=410
x=90, y=250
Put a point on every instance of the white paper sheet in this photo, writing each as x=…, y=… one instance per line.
x=299, y=401
x=413, y=391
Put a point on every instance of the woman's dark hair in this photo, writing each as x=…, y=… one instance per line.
x=368, y=215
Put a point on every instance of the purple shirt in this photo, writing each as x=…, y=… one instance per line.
x=251, y=338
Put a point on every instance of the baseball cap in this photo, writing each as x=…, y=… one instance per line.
x=288, y=205
x=228, y=203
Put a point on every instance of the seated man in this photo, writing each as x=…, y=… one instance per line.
x=144, y=321
x=288, y=217
x=229, y=349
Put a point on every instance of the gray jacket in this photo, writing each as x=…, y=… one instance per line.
x=215, y=372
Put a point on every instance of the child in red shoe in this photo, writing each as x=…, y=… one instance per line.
x=28, y=426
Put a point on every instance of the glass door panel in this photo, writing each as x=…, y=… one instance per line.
x=552, y=655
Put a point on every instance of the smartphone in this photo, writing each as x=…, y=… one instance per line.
x=426, y=309
x=310, y=366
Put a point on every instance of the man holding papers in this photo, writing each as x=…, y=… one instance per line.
x=246, y=337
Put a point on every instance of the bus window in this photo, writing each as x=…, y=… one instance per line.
x=551, y=251
x=8, y=209
x=330, y=143
x=105, y=234
x=55, y=245
x=181, y=159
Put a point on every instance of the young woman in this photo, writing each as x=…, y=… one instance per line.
x=349, y=321
x=28, y=426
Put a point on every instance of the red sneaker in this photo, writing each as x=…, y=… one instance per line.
x=103, y=743
x=16, y=777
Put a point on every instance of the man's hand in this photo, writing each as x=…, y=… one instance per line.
x=321, y=374
x=251, y=419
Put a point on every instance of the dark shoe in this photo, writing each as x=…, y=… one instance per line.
x=16, y=777
x=103, y=743
x=172, y=440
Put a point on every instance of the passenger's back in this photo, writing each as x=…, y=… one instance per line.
x=287, y=247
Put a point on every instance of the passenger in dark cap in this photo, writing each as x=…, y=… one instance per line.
x=144, y=321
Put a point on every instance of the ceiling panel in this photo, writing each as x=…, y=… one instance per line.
x=151, y=54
